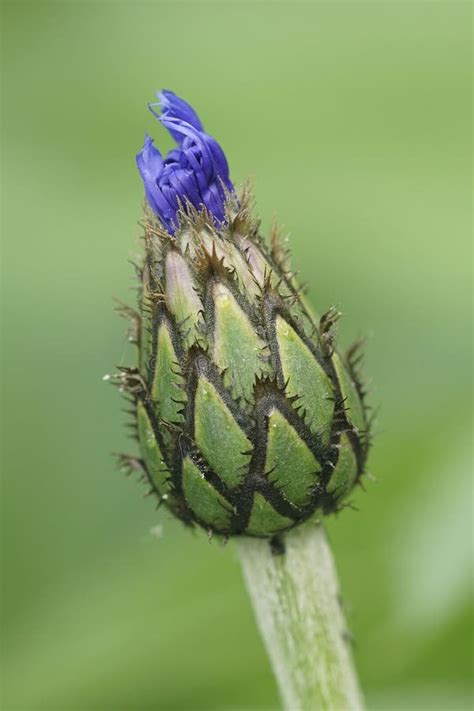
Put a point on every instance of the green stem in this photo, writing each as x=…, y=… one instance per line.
x=296, y=600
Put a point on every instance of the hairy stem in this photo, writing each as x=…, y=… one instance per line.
x=295, y=595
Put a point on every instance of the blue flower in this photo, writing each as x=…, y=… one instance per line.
x=196, y=170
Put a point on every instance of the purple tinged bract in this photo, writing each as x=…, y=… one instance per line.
x=195, y=171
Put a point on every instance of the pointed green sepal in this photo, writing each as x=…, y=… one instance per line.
x=218, y=435
x=233, y=260
x=154, y=461
x=237, y=348
x=290, y=464
x=166, y=388
x=345, y=473
x=208, y=505
x=181, y=297
x=305, y=379
x=264, y=520
x=256, y=264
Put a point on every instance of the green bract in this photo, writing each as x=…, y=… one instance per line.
x=248, y=420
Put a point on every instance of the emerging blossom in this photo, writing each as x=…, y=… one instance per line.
x=195, y=171
x=249, y=420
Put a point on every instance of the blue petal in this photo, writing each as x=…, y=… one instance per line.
x=219, y=160
x=150, y=163
x=175, y=107
x=149, y=159
x=196, y=170
x=192, y=138
x=186, y=186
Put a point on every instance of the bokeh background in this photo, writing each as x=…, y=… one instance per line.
x=354, y=119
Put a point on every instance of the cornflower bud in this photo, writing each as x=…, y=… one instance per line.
x=249, y=420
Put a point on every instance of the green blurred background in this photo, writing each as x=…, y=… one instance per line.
x=354, y=119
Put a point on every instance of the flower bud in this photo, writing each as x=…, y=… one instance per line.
x=249, y=421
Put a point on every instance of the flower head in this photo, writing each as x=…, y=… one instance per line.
x=249, y=420
x=195, y=171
